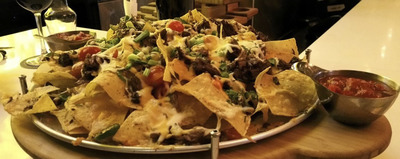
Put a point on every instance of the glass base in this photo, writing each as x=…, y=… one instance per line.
x=31, y=62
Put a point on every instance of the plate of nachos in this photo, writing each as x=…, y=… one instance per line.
x=163, y=86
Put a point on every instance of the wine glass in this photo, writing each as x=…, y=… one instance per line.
x=36, y=7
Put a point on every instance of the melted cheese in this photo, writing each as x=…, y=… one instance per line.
x=163, y=117
x=145, y=95
x=254, y=48
x=178, y=41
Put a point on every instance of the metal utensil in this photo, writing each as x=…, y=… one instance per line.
x=22, y=82
x=215, y=134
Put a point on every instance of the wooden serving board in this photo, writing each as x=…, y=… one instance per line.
x=317, y=137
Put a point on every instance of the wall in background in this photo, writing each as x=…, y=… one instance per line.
x=305, y=20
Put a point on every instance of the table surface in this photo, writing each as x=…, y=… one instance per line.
x=365, y=39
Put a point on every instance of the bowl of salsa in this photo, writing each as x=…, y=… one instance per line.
x=355, y=97
x=68, y=40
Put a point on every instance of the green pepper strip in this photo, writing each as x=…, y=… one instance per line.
x=142, y=36
x=120, y=76
x=181, y=20
x=106, y=133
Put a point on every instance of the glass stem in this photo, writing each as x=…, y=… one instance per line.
x=38, y=19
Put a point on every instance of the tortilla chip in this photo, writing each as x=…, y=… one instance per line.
x=216, y=101
x=57, y=76
x=113, y=86
x=289, y=94
x=36, y=101
x=44, y=104
x=108, y=116
x=165, y=53
x=183, y=73
x=95, y=113
x=68, y=122
x=156, y=118
x=194, y=15
x=261, y=91
x=282, y=49
x=131, y=131
x=196, y=113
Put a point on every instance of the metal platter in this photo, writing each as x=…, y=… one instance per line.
x=52, y=128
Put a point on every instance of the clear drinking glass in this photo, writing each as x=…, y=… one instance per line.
x=60, y=17
x=36, y=7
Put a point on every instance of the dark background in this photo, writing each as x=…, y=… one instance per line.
x=14, y=18
x=305, y=20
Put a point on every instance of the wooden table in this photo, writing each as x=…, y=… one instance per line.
x=317, y=137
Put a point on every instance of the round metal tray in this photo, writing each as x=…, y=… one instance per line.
x=50, y=129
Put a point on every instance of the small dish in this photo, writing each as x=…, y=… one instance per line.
x=347, y=109
x=66, y=40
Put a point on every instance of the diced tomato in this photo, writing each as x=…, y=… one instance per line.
x=89, y=50
x=232, y=134
x=76, y=70
x=115, y=54
x=334, y=88
x=176, y=26
x=217, y=84
x=350, y=86
x=155, y=77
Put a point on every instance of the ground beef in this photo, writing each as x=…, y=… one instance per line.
x=182, y=57
x=260, y=35
x=90, y=67
x=247, y=68
x=201, y=65
x=227, y=28
x=133, y=85
x=285, y=66
x=203, y=25
x=234, y=54
x=163, y=35
x=185, y=34
x=65, y=60
x=149, y=41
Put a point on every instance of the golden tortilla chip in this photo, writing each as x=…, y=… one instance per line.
x=113, y=86
x=156, y=118
x=216, y=101
x=57, y=76
x=194, y=15
x=165, y=52
x=95, y=113
x=282, y=49
x=108, y=116
x=36, y=101
x=183, y=73
x=195, y=112
x=131, y=131
x=44, y=104
x=287, y=93
x=68, y=122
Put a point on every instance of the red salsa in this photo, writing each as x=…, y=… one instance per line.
x=74, y=37
x=356, y=87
